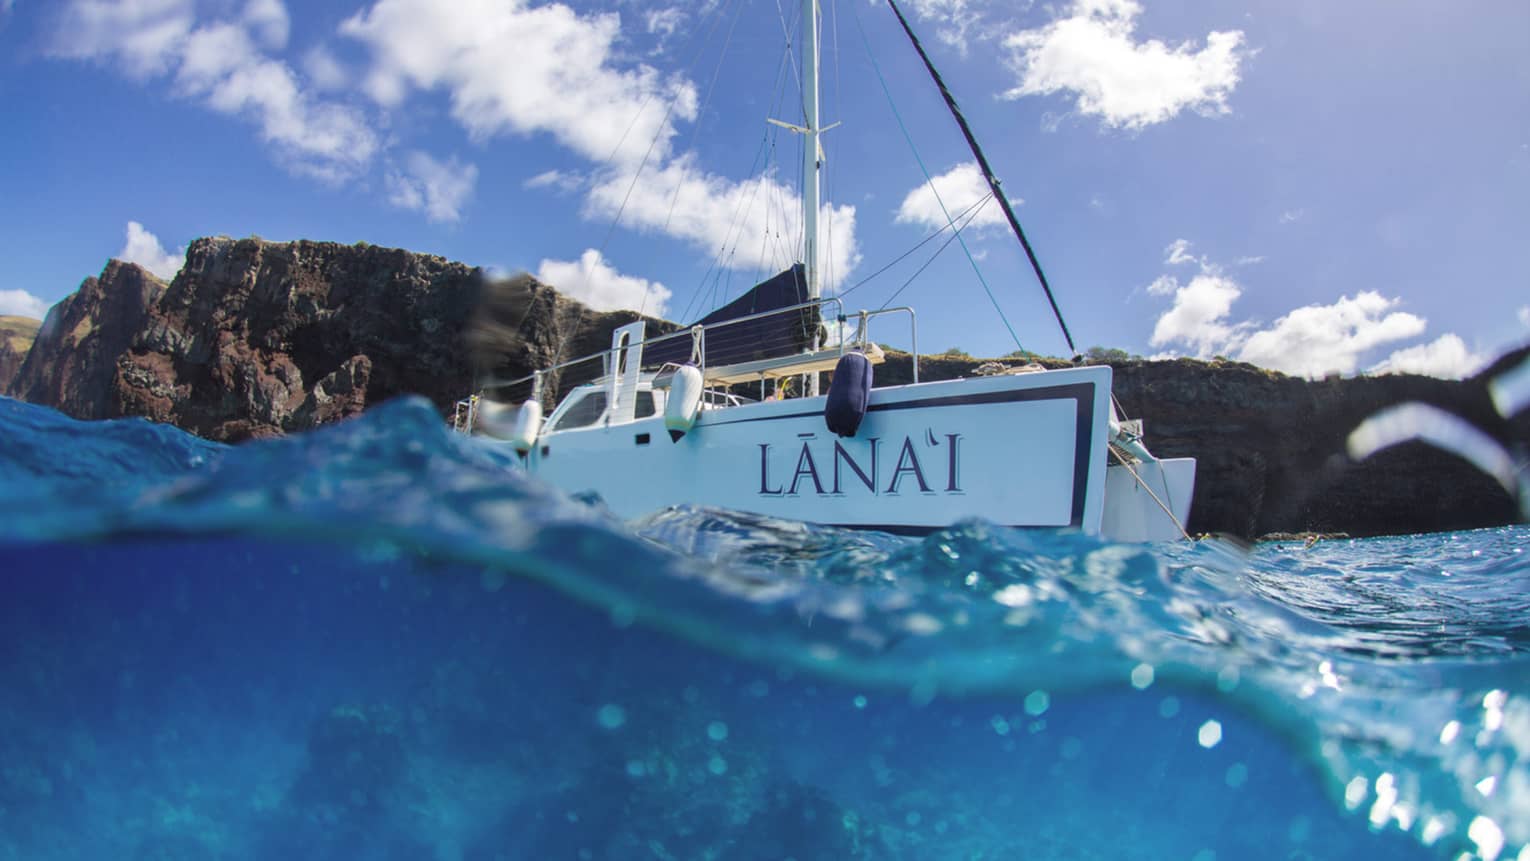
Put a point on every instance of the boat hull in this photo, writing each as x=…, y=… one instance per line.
x=1148, y=501
x=1022, y=450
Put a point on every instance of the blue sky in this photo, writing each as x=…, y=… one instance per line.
x=1310, y=185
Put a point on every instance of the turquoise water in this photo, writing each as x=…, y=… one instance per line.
x=379, y=640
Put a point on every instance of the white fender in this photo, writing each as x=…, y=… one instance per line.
x=684, y=401
x=517, y=425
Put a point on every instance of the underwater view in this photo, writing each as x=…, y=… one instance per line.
x=381, y=640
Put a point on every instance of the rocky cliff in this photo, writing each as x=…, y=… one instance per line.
x=1271, y=449
x=16, y=337
x=255, y=338
x=72, y=363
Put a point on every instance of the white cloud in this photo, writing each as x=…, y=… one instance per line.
x=1178, y=252
x=324, y=70
x=1320, y=339
x=1198, y=317
x=511, y=68
x=664, y=22
x=439, y=189
x=593, y=281
x=1163, y=285
x=754, y=225
x=1093, y=54
x=953, y=19
x=143, y=35
x=560, y=180
x=221, y=65
x=1446, y=357
x=1291, y=216
x=268, y=20
x=20, y=303
x=1524, y=315
x=1310, y=341
x=958, y=188
x=144, y=248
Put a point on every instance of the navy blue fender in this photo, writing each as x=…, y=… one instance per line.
x=849, y=394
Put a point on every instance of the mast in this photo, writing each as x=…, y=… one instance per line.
x=810, y=146
x=811, y=163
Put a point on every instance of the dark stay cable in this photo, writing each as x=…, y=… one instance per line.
x=993, y=181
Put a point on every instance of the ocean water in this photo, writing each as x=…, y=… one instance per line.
x=381, y=641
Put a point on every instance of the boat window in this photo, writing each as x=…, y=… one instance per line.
x=643, y=407
x=584, y=412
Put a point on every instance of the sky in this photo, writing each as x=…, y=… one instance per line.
x=1313, y=186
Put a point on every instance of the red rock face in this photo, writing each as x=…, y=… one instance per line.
x=71, y=366
x=255, y=338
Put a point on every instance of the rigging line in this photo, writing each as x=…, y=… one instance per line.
x=762, y=160
x=707, y=100
x=943, y=246
x=786, y=31
x=901, y=257
x=647, y=154
x=877, y=67
x=620, y=210
x=829, y=183
x=993, y=181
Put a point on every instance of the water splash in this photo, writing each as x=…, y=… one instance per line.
x=1396, y=666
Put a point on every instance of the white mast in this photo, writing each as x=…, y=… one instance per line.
x=810, y=147
x=810, y=162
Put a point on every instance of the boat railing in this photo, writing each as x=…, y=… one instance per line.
x=754, y=348
x=862, y=335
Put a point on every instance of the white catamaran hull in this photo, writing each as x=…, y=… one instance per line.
x=1021, y=450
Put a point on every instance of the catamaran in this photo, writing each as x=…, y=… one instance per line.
x=708, y=415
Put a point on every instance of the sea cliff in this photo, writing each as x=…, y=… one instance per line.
x=16, y=337
x=255, y=338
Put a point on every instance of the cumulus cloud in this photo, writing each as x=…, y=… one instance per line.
x=144, y=36
x=438, y=189
x=1093, y=55
x=593, y=281
x=1313, y=340
x=268, y=20
x=953, y=20
x=511, y=68
x=20, y=303
x=753, y=225
x=958, y=188
x=144, y=248
x=1320, y=339
x=1524, y=315
x=1446, y=357
x=223, y=65
x=664, y=22
x=1198, y=317
x=324, y=69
